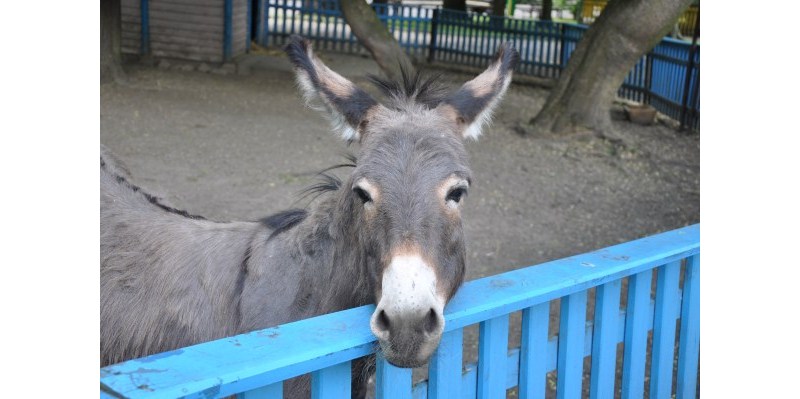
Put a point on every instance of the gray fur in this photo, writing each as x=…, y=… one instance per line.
x=170, y=279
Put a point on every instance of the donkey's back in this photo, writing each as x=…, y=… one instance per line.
x=168, y=279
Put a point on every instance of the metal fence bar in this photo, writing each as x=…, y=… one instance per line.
x=636, y=323
x=664, y=330
x=666, y=78
x=604, y=341
x=492, y=352
x=533, y=351
x=570, y=345
x=689, y=345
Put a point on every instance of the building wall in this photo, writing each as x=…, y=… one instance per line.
x=185, y=29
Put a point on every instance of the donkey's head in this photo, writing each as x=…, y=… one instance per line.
x=405, y=195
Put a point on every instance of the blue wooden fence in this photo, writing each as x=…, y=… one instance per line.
x=254, y=365
x=658, y=79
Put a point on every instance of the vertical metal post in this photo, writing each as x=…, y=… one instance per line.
x=434, y=29
x=648, y=77
x=227, y=35
x=562, y=42
x=144, y=8
x=689, y=71
x=249, y=36
x=263, y=23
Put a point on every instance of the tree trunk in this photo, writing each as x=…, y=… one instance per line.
x=373, y=35
x=499, y=8
x=110, y=34
x=582, y=98
x=458, y=5
x=547, y=10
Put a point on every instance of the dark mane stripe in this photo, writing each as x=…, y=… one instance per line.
x=152, y=199
x=284, y=220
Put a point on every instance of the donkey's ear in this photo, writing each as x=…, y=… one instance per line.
x=347, y=104
x=472, y=105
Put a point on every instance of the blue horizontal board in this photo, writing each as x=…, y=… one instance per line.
x=248, y=361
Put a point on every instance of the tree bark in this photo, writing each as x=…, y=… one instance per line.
x=110, y=37
x=373, y=35
x=458, y=5
x=582, y=98
x=499, y=8
x=547, y=10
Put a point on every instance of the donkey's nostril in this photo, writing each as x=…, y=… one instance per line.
x=431, y=322
x=382, y=321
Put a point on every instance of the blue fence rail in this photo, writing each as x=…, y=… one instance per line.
x=254, y=365
x=658, y=79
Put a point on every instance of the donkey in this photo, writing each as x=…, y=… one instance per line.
x=390, y=234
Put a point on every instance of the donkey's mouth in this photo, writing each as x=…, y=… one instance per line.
x=410, y=352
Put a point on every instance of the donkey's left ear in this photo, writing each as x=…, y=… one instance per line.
x=347, y=105
x=471, y=106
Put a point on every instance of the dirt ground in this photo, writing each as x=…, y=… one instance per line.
x=229, y=147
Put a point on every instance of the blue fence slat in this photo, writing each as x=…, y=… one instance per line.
x=571, y=333
x=492, y=352
x=331, y=382
x=689, y=345
x=533, y=351
x=636, y=326
x=273, y=391
x=604, y=340
x=391, y=382
x=666, y=310
x=444, y=372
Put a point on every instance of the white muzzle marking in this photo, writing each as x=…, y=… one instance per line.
x=408, y=291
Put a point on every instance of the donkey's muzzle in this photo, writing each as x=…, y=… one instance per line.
x=408, y=320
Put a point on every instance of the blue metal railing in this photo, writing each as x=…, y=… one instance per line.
x=255, y=364
x=451, y=36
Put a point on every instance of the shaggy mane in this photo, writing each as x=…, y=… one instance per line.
x=412, y=88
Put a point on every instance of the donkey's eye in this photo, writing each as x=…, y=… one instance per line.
x=456, y=194
x=362, y=195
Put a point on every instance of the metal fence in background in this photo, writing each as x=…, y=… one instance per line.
x=667, y=78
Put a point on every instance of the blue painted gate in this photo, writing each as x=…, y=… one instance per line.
x=254, y=365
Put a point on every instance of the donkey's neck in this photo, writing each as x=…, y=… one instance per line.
x=345, y=282
x=312, y=268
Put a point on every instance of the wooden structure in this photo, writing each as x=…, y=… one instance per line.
x=254, y=365
x=199, y=30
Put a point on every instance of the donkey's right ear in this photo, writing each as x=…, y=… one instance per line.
x=346, y=103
